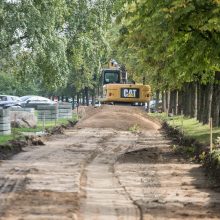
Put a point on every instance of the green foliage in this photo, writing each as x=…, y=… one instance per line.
x=212, y=164
x=61, y=45
x=5, y=138
x=10, y=85
x=54, y=42
x=135, y=128
x=217, y=142
x=202, y=156
x=31, y=42
x=188, y=151
x=170, y=42
x=215, y=155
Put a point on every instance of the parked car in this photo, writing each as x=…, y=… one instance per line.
x=7, y=101
x=97, y=104
x=153, y=106
x=34, y=101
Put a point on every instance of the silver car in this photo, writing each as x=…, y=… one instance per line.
x=34, y=101
x=7, y=101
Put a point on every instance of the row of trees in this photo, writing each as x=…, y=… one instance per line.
x=57, y=47
x=54, y=46
x=176, y=45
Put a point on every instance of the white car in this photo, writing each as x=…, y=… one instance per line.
x=97, y=104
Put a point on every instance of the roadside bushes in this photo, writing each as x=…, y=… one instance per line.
x=212, y=164
x=211, y=161
x=186, y=145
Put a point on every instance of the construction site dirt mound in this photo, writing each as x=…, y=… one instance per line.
x=116, y=117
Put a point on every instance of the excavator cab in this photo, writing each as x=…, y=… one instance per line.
x=111, y=76
x=115, y=74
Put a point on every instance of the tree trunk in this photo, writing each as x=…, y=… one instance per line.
x=172, y=102
x=157, y=99
x=73, y=103
x=176, y=102
x=192, y=103
x=83, y=97
x=77, y=98
x=168, y=101
x=185, y=100
x=201, y=102
x=207, y=107
x=210, y=97
x=164, y=101
x=196, y=100
x=87, y=95
x=204, y=106
x=216, y=105
x=100, y=91
x=189, y=100
x=180, y=101
x=93, y=97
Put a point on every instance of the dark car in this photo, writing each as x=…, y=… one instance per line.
x=7, y=101
x=34, y=101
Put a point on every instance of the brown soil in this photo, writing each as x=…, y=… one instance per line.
x=12, y=147
x=102, y=171
x=116, y=117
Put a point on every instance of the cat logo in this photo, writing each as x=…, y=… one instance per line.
x=129, y=93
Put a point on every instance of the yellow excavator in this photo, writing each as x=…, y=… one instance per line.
x=117, y=89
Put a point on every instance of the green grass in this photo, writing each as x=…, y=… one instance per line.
x=48, y=124
x=191, y=127
x=5, y=138
x=134, y=129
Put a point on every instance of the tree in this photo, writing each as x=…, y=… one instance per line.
x=54, y=41
x=32, y=43
x=175, y=42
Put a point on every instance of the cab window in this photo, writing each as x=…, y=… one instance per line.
x=111, y=77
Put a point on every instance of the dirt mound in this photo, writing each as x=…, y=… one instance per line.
x=116, y=117
x=12, y=147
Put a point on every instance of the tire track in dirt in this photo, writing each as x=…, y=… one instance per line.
x=104, y=197
x=9, y=184
x=43, y=182
x=83, y=176
x=163, y=184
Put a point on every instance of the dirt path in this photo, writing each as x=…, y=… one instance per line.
x=102, y=171
x=105, y=197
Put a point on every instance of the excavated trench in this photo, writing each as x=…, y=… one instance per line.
x=114, y=165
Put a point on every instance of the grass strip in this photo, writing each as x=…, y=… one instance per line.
x=190, y=126
x=191, y=130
